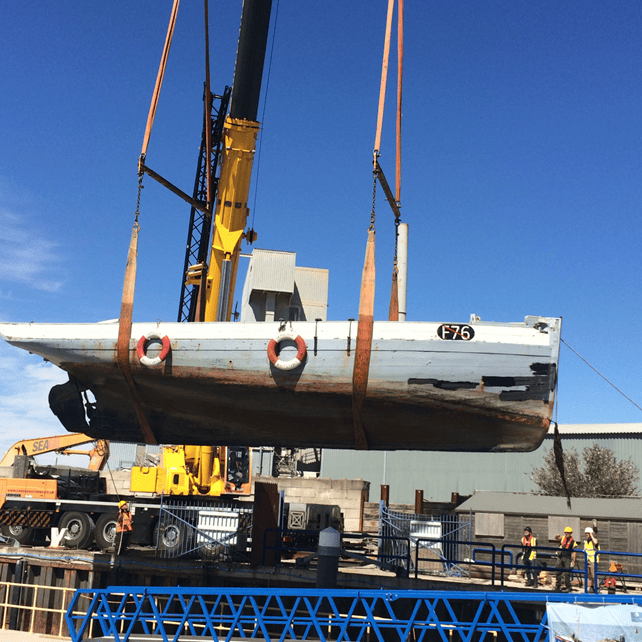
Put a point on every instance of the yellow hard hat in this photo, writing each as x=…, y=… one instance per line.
x=122, y=503
x=568, y=529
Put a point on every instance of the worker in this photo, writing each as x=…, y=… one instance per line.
x=591, y=545
x=529, y=555
x=123, y=528
x=565, y=560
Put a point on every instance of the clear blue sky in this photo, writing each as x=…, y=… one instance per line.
x=521, y=168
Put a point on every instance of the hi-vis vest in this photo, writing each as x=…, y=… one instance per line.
x=124, y=523
x=567, y=545
x=589, y=547
x=532, y=554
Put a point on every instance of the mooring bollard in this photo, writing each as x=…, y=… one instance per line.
x=329, y=553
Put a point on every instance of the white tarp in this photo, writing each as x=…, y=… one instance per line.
x=592, y=623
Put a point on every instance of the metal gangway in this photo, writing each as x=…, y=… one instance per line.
x=220, y=613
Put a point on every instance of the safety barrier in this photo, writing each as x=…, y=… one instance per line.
x=34, y=608
x=277, y=614
x=462, y=565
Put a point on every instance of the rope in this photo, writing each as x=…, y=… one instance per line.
x=601, y=375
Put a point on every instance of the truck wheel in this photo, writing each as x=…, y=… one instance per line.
x=105, y=533
x=22, y=534
x=211, y=551
x=80, y=529
x=172, y=538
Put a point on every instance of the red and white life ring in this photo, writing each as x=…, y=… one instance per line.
x=140, y=349
x=290, y=364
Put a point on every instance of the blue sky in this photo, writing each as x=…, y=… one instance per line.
x=521, y=169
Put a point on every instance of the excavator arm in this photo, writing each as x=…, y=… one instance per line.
x=61, y=444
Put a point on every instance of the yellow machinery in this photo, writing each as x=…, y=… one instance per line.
x=231, y=216
x=62, y=445
x=196, y=470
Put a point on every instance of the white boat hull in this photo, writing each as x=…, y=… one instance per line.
x=493, y=392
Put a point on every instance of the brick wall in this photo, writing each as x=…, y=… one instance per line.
x=349, y=494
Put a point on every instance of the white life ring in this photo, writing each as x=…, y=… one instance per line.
x=290, y=364
x=140, y=349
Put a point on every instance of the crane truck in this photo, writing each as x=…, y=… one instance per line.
x=34, y=499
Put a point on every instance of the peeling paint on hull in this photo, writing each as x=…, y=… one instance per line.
x=217, y=386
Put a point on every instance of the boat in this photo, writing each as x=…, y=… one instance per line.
x=477, y=386
x=386, y=385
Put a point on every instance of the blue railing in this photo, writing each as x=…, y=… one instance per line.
x=221, y=613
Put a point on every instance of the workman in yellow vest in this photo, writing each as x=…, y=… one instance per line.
x=123, y=528
x=565, y=560
x=529, y=555
x=591, y=546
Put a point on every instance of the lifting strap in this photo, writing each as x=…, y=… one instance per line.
x=364, y=343
x=129, y=286
x=366, y=300
x=393, y=311
x=125, y=326
x=159, y=81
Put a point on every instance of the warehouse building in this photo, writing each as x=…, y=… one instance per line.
x=439, y=474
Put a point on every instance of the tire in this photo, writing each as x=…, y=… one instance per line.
x=211, y=551
x=22, y=534
x=172, y=538
x=105, y=533
x=80, y=529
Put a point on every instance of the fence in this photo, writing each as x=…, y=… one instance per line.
x=30, y=607
x=444, y=536
x=199, y=530
x=224, y=613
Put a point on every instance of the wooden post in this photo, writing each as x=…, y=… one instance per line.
x=385, y=494
x=419, y=502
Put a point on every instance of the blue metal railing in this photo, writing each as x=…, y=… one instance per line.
x=583, y=569
x=223, y=613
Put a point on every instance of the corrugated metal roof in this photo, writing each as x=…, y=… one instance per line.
x=597, y=429
x=629, y=509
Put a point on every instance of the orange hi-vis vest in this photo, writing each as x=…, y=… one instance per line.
x=531, y=542
x=567, y=545
x=124, y=523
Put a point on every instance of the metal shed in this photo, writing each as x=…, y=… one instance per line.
x=439, y=474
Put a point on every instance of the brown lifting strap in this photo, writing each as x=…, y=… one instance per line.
x=364, y=343
x=125, y=331
x=129, y=286
x=366, y=301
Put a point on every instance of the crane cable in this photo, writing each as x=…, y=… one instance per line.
x=366, y=300
x=129, y=286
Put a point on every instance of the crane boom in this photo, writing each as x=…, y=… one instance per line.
x=240, y=134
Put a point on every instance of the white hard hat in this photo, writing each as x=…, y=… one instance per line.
x=588, y=529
